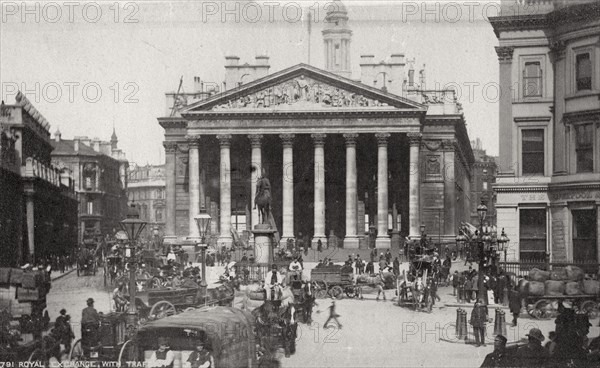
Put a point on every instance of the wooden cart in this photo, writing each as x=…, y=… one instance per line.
x=334, y=281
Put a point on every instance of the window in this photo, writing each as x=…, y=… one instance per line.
x=90, y=208
x=532, y=234
x=337, y=56
x=238, y=222
x=584, y=236
x=159, y=194
x=159, y=215
x=583, y=71
x=584, y=147
x=532, y=79
x=485, y=185
x=533, y=151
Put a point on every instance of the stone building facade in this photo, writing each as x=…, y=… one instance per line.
x=484, y=177
x=38, y=207
x=548, y=187
x=100, y=173
x=350, y=157
x=146, y=188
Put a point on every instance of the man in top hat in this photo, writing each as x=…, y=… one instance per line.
x=273, y=281
x=89, y=315
x=163, y=357
x=497, y=358
x=201, y=358
x=533, y=354
x=478, y=321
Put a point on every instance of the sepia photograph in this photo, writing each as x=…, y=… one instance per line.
x=299, y=183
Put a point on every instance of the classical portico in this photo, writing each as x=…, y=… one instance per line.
x=289, y=124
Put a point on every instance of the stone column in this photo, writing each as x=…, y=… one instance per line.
x=288, y=187
x=225, y=193
x=256, y=164
x=414, y=216
x=351, y=240
x=31, y=225
x=506, y=162
x=194, y=186
x=450, y=224
x=319, y=205
x=383, y=239
x=170, y=193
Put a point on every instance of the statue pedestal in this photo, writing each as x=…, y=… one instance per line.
x=395, y=239
x=263, y=243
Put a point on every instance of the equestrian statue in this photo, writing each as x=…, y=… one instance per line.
x=262, y=199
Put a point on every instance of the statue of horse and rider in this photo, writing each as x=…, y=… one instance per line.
x=262, y=199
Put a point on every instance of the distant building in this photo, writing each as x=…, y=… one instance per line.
x=38, y=207
x=100, y=172
x=146, y=188
x=484, y=177
x=548, y=186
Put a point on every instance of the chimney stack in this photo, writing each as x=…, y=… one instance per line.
x=232, y=60
x=197, y=85
x=262, y=60
x=397, y=59
x=76, y=144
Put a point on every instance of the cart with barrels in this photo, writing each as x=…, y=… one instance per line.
x=545, y=290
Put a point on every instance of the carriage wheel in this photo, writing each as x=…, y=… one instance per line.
x=590, y=308
x=188, y=309
x=161, y=309
x=351, y=291
x=540, y=309
x=336, y=292
x=319, y=289
x=128, y=353
x=76, y=352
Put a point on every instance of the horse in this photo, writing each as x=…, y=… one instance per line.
x=377, y=282
x=275, y=323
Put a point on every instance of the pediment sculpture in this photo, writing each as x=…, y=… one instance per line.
x=299, y=92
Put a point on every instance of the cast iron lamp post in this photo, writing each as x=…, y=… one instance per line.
x=482, y=212
x=203, y=222
x=133, y=227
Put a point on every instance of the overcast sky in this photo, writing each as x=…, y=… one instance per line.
x=89, y=65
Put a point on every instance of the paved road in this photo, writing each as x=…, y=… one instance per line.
x=374, y=333
x=71, y=292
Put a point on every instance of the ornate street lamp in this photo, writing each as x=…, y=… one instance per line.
x=132, y=226
x=203, y=222
x=482, y=212
x=503, y=241
x=461, y=239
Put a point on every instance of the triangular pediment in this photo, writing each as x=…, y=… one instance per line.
x=302, y=88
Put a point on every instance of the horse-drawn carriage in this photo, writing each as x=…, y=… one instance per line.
x=412, y=290
x=228, y=333
x=333, y=280
x=105, y=342
x=161, y=302
x=86, y=261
